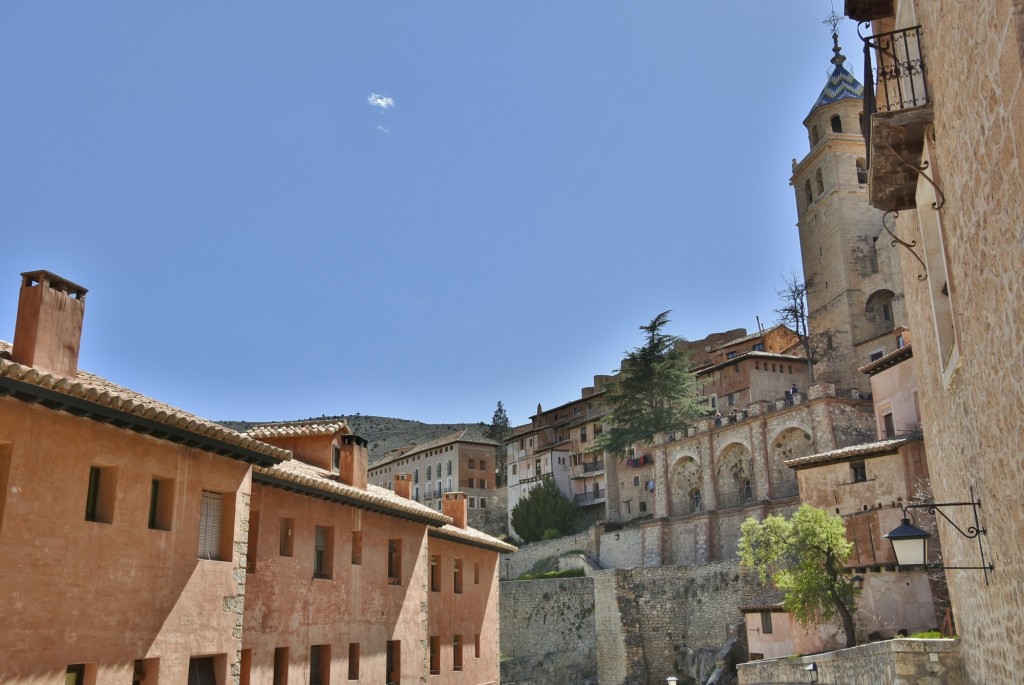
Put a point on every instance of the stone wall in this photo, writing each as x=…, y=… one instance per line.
x=907, y=662
x=522, y=561
x=973, y=416
x=670, y=620
x=548, y=631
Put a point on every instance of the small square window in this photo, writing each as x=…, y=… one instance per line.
x=859, y=472
x=161, y=503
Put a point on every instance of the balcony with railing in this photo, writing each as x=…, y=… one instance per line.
x=587, y=469
x=898, y=105
x=592, y=497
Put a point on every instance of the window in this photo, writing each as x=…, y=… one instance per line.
x=357, y=547
x=428, y=472
x=99, y=501
x=319, y=665
x=435, y=573
x=636, y=480
x=515, y=470
x=482, y=503
x=766, y=623
x=458, y=576
x=323, y=553
x=758, y=347
x=448, y=484
x=429, y=490
x=748, y=491
x=536, y=466
x=859, y=472
x=483, y=464
x=476, y=646
x=876, y=355
x=732, y=396
x=393, y=661
x=456, y=652
x=583, y=434
x=394, y=562
x=625, y=505
x=416, y=492
x=643, y=507
x=814, y=135
x=862, y=170
x=75, y=675
x=482, y=484
x=435, y=655
x=416, y=476
x=281, y=666
x=837, y=124
x=161, y=503
x=472, y=502
x=245, y=667
x=353, y=661
x=203, y=671
x=449, y=467
x=335, y=459
x=819, y=182
x=890, y=425
x=253, y=541
x=695, y=497
x=476, y=573
x=471, y=482
x=472, y=463
x=287, y=537
x=211, y=514
x=808, y=196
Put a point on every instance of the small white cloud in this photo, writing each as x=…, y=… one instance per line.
x=382, y=129
x=382, y=101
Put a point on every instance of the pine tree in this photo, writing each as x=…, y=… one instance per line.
x=655, y=392
x=499, y=431
x=544, y=509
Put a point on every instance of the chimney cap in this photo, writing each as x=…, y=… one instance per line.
x=52, y=280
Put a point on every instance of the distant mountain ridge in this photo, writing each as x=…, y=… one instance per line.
x=382, y=432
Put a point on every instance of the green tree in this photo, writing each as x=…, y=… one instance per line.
x=543, y=509
x=805, y=557
x=499, y=431
x=655, y=392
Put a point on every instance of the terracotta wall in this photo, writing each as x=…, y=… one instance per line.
x=79, y=591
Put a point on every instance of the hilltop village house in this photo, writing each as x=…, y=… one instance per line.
x=460, y=462
x=142, y=544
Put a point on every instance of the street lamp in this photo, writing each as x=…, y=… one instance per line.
x=858, y=581
x=508, y=568
x=910, y=543
x=813, y=670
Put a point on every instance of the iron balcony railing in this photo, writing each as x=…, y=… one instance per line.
x=586, y=497
x=592, y=466
x=898, y=81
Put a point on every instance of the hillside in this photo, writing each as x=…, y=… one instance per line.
x=383, y=433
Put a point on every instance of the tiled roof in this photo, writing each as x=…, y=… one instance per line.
x=863, y=450
x=313, y=479
x=768, y=601
x=373, y=497
x=752, y=336
x=464, y=435
x=298, y=429
x=471, y=536
x=891, y=359
x=101, y=392
x=841, y=85
x=775, y=356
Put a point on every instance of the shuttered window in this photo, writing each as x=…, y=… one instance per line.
x=211, y=510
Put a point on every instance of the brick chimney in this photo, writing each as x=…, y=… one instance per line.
x=48, y=331
x=354, y=461
x=403, y=485
x=455, y=505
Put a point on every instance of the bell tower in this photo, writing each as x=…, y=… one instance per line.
x=855, y=293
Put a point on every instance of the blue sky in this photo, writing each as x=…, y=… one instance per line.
x=407, y=209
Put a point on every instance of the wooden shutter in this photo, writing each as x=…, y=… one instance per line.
x=211, y=507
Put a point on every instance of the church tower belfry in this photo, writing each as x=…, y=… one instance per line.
x=855, y=297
